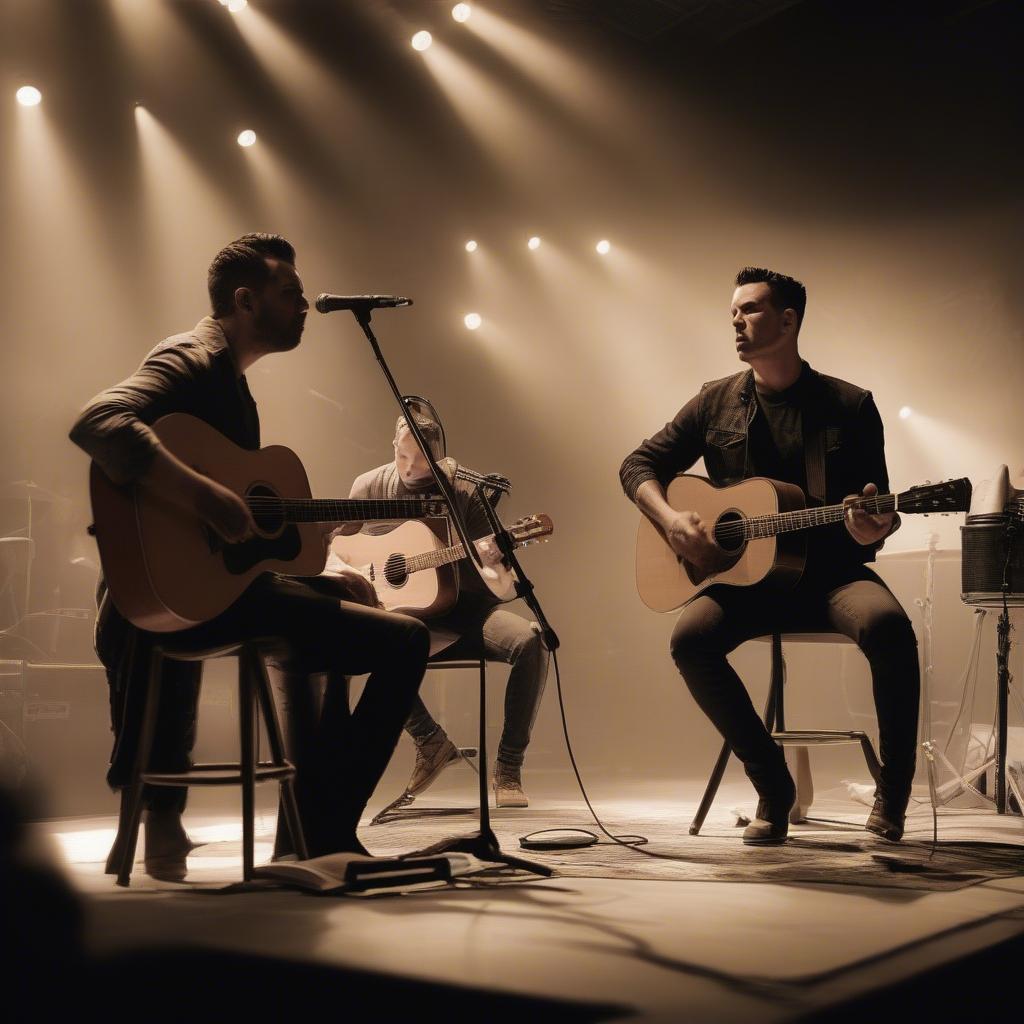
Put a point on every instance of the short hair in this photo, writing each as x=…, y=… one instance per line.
x=243, y=264
x=429, y=428
x=787, y=292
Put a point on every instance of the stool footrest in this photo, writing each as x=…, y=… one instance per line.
x=221, y=774
x=812, y=737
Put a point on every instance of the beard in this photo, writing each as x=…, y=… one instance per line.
x=277, y=334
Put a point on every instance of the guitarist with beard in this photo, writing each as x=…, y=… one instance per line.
x=783, y=420
x=507, y=637
x=258, y=308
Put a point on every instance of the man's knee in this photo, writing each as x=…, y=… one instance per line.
x=687, y=643
x=527, y=642
x=412, y=637
x=888, y=632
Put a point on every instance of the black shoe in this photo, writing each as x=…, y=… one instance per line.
x=770, y=826
x=777, y=793
x=887, y=818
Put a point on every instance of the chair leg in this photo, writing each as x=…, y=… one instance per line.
x=484, y=780
x=772, y=709
x=132, y=797
x=804, y=783
x=113, y=864
x=802, y=770
x=247, y=733
x=277, y=753
x=711, y=790
x=874, y=767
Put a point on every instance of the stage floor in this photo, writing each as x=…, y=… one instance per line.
x=658, y=948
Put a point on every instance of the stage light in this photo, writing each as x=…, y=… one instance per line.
x=234, y=6
x=461, y=12
x=472, y=320
x=247, y=138
x=29, y=96
x=906, y=412
x=534, y=243
x=422, y=40
x=604, y=247
x=471, y=246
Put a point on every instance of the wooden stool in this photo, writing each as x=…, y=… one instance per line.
x=254, y=697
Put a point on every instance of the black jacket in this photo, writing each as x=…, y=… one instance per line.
x=715, y=425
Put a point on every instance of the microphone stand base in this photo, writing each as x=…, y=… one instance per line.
x=483, y=845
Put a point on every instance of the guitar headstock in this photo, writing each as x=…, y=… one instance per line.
x=947, y=496
x=531, y=529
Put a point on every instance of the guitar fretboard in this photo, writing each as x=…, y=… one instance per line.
x=800, y=519
x=326, y=510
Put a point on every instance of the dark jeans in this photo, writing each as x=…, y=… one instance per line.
x=851, y=600
x=516, y=641
x=341, y=757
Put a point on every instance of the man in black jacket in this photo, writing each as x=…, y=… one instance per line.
x=783, y=420
x=257, y=308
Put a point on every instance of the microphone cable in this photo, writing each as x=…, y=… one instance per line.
x=630, y=841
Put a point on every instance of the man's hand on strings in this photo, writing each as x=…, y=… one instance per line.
x=689, y=537
x=864, y=527
x=490, y=554
x=224, y=511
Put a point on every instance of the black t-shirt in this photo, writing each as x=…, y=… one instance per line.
x=777, y=436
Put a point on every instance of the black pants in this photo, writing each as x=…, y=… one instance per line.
x=343, y=755
x=851, y=600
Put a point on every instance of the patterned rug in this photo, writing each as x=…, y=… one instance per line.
x=973, y=846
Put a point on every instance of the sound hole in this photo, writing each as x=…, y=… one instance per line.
x=729, y=531
x=267, y=509
x=395, y=571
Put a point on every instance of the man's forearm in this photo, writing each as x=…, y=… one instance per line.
x=171, y=479
x=650, y=499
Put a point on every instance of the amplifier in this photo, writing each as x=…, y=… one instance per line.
x=65, y=726
x=985, y=548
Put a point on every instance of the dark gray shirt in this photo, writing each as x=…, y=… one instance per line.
x=194, y=373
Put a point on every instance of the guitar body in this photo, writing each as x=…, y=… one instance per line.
x=165, y=569
x=666, y=582
x=426, y=594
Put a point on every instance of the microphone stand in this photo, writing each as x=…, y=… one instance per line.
x=482, y=844
x=523, y=585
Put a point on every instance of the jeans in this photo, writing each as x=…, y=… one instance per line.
x=339, y=757
x=511, y=639
x=850, y=600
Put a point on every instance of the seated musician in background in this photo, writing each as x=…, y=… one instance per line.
x=783, y=420
x=507, y=637
x=257, y=308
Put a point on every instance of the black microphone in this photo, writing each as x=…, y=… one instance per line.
x=329, y=303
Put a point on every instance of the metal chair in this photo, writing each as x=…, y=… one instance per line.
x=254, y=698
x=802, y=739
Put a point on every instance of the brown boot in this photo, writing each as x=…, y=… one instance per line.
x=508, y=786
x=432, y=757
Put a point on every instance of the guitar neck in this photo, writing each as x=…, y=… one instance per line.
x=435, y=559
x=327, y=510
x=801, y=519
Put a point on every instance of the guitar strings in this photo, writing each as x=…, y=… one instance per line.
x=801, y=517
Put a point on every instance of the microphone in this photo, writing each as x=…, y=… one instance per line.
x=329, y=303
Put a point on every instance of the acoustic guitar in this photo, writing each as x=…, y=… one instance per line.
x=400, y=578
x=755, y=525
x=167, y=570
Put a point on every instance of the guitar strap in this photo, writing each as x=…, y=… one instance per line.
x=814, y=451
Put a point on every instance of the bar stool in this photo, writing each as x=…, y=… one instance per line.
x=254, y=698
x=775, y=723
